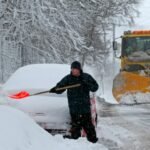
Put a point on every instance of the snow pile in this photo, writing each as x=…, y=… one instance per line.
x=135, y=98
x=23, y=133
x=105, y=80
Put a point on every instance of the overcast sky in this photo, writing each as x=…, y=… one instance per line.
x=142, y=22
x=144, y=19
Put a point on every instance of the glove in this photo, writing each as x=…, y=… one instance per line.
x=52, y=90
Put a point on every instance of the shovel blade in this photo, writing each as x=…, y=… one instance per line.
x=20, y=95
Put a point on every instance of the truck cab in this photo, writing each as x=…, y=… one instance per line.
x=135, y=53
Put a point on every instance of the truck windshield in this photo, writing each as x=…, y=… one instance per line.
x=135, y=44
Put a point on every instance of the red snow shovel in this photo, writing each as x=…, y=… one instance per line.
x=24, y=94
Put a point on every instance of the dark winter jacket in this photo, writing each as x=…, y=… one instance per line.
x=79, y=97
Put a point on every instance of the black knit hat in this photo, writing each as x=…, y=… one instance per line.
x=76, y=65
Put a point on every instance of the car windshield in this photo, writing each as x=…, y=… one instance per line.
x=135, y=44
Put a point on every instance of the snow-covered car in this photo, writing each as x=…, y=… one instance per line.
x=49, y=110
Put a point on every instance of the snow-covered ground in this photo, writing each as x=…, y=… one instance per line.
x=119, y=128
x=124, y=127
x=19, y=132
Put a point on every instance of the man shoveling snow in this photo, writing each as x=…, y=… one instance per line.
x=79, y=101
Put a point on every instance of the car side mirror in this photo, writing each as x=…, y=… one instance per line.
x=115, y=46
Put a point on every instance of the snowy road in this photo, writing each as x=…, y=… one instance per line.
x=123, y=127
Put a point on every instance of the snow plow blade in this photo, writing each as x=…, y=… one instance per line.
x=129, y=83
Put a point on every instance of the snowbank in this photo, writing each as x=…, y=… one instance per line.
x=135, y=98
x=104, y=79
x=18, y=131
x=105, y=76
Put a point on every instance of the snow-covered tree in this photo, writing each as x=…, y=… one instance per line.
x=46, y=31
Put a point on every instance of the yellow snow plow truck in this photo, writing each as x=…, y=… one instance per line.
x=134, y=76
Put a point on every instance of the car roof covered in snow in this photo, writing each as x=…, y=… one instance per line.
x=36, y=77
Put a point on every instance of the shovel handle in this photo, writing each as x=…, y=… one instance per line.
x=68, y=87
x=59, y=89
x=39, y=93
